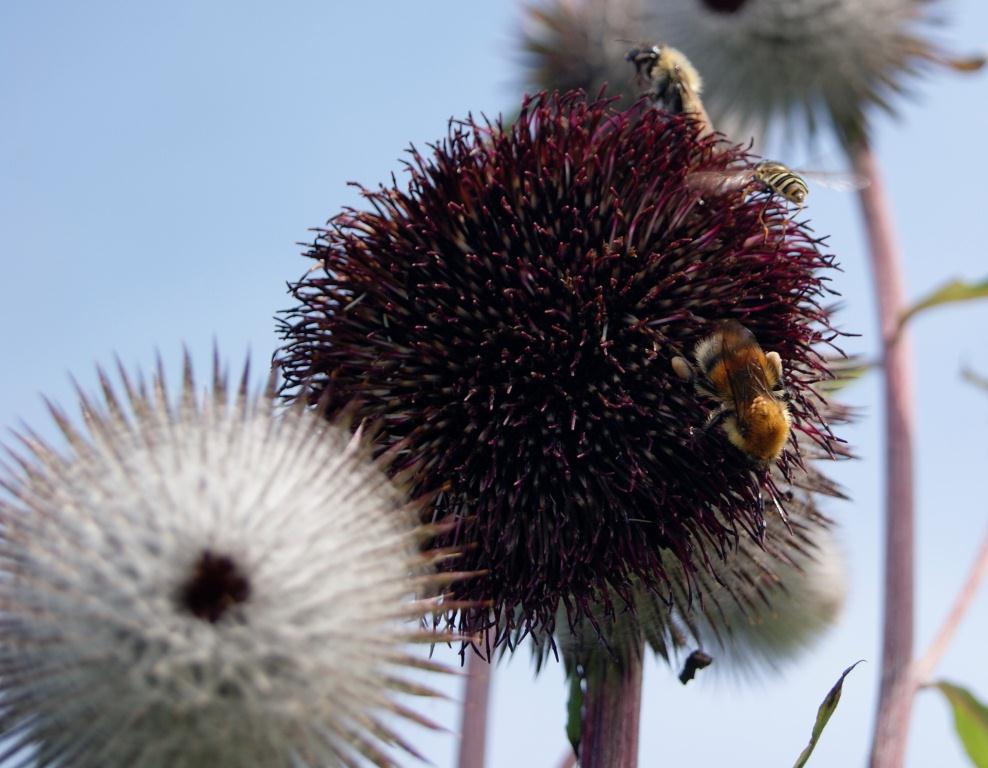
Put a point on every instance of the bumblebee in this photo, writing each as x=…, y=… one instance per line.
x=748, y=386
x=669, y=79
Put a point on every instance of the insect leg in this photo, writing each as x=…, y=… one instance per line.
x=715, y=419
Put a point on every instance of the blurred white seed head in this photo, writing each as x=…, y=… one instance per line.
x=213, y=583
x=800, y=65
x=771, y=608
x=803, y=62
x=567, y=44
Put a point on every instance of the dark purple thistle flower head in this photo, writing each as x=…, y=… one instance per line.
x=510, y=318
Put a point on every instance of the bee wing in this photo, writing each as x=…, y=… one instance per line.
x=838, y=181
x=721, y=182
x=738, y=343
x=735, y=339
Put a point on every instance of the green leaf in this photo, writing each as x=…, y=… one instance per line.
x=846, y=371
x=574, y=709
x=973, y=377
x=970, y=721
x=823, y=716
x=955, y=290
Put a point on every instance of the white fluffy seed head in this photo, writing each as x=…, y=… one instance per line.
x=801, y=61
x=217, y=583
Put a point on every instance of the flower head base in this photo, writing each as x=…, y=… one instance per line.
x=765, y=603
x=216, y=584
x=511, y=318
x=755, y=610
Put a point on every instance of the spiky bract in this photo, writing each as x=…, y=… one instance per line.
x=211, y=583
x=510, y=319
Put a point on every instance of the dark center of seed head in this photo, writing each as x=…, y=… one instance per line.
x=723, y=6
x=214, y=586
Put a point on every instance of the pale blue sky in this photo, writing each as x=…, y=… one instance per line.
x=159, y=162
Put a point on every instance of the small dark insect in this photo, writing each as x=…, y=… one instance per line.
x=694, y=662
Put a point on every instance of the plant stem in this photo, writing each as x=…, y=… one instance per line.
x=896, y=690
x=928, y=661
x=611, y=710
x=473, y=726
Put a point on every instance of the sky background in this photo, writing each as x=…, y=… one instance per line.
x=159, y=163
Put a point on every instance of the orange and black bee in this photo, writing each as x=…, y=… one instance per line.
x=748, y=385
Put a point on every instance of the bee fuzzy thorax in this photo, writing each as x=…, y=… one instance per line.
x=671, y=80
x=660, y=62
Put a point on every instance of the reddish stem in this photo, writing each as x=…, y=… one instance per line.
x=473, y=726
x=611, y=709
x=928, y=661
x=895, y=695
